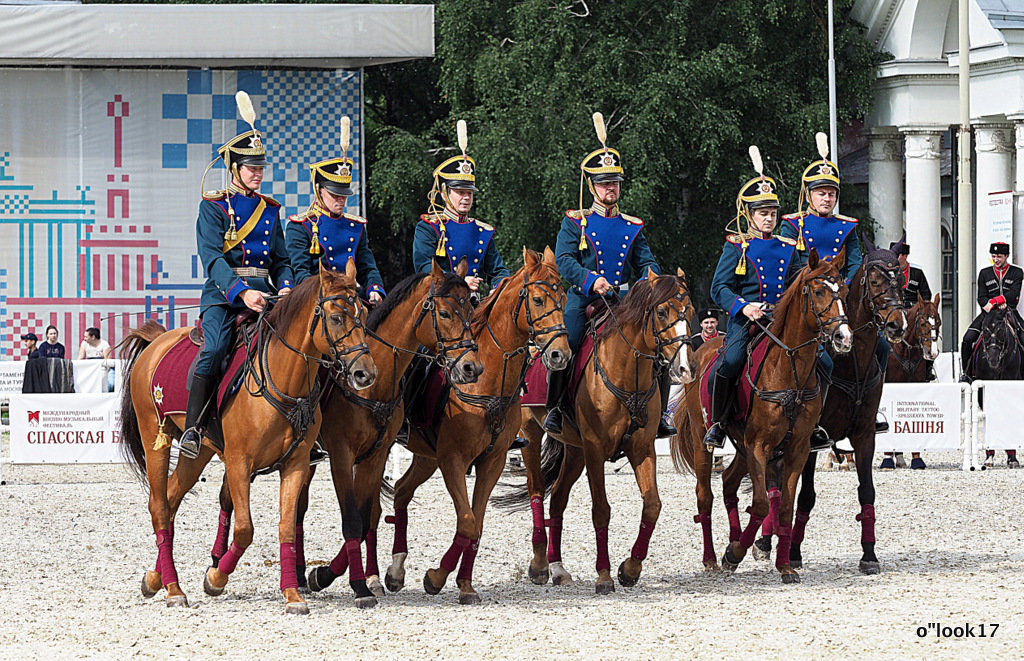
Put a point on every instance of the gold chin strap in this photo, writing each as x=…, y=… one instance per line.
x=800, y=245
x=314, y=245
x=741, y=266
x=583, y=214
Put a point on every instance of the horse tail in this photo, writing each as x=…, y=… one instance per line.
x=552, y=454
x=516, y=497
x=682, y=443
x=387, y=490
x=131, y=439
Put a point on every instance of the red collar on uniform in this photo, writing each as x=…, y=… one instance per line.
x=704, y=336
x=1001, y=272
x=906, y=275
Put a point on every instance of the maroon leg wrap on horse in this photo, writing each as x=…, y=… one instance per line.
x=705, y=525
x=289, y=578
x=165, y=557
x=747, y=538
x=468, y=558
x=732, y=504
x=230, y=559
x=300, y=548
x=867, y=523
x=555, y=543
x=602, y=549
x=354, y=550
x=540, y=538
x=371, y=553
x=451, y=557
x=801, y=524
x=220, y=545
x=643, y=539
x=785, y=534
x=774, y=502
x=401, y=521
x=339, y=565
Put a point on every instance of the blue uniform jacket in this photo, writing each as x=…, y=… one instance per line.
x=829, y=236
x=616, y=249
x=339, y=239
x=469, y=238
x=771, y=265
x=263, y=247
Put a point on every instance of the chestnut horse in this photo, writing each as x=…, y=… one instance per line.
x=785, y=405
x=270, y=422
x=616, y=414
x=876, y=297
x=922, y=342
x=361, y=427
x=523, y=315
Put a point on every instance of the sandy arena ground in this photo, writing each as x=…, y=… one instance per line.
x=76, y=539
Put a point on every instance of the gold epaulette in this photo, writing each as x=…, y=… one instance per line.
x=734, y=239
x=298, y=218
x=432, y=218
x=785, y=239
x=214, y=195
x=846, y=219
x=355, y=218
x=632, y=219
x=791, y=216
x=271, y=202
x=482, y=224
x=575, y=214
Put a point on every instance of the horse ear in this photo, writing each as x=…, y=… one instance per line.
x=938, y=301
x=651, y=275
x=530, y=258
x=898, y=246
x=436, y=274
x=350, y=269
x=920, y=299
x=549, y=255
x=869, y=244
x=463, y=268
x=812, y=259
x=680, y=273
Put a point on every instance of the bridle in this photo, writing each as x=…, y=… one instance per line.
x=891, y=297
x=447, y=345
x=910, y=364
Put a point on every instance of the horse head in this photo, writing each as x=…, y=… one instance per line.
x=671, y=323
x=540, y=307
x=926, y=324
x=341, y=314
x=450, y=308
x=881, y=292
x=824, y=293
x=999, y=342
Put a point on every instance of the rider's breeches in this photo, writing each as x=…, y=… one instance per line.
x=825, y=363
x=737, y=338
x=882, y=351
x=218, y=336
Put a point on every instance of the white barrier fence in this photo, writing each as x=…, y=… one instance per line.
x=90, y=376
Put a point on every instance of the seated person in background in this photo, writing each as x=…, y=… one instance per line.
x=51, y=348
x=93, y=346
x=30, y=341
x=708, y=319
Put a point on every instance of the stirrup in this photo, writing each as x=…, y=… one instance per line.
x=553, y=421
x=317, y=455
x=190, y=443
x=519, y=443
x=714, y=438
x=665, y=429
x=881, y=426
x=820, y=440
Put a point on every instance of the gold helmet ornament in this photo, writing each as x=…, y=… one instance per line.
x=599, y=166
x=818, y=174
x=455, y=173
x=761, y=191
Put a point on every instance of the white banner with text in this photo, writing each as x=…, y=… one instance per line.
x=66, y=429
x=922, y=417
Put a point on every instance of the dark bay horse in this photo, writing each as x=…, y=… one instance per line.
x=785, y=405
x=616, y=414
x=876, y=304
x=270, y=422
x=998, y=357
x=523, y=315
x=426, y=309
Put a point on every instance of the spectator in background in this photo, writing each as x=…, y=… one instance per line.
x=30, y=341
x=708, y=320
x=51, y=348
x=93, y=346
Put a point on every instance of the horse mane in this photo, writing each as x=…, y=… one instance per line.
x=296, y=301
x=403, y=290
x=641, y=299
x=483, y=313
x=793, y=293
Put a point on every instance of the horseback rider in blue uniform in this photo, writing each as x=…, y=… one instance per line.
x=242, y=247
x=597, y=251
x=752, y=274
x=832, y=234
x=447, y=233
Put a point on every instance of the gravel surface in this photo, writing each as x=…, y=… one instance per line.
x=76, y=539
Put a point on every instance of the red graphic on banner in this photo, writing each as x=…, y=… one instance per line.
x=33, y=418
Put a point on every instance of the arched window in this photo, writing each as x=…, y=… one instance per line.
x=948, y=276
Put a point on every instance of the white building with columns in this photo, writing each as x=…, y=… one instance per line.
x=917, y=103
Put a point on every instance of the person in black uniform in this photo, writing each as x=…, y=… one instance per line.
x=998, y=287
x=708, y=320
x=914, y=280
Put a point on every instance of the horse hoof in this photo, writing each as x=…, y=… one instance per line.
x=178, y=601
x=147, y=591
x=869, y=567
x=373, y=582
x=539, y=576
x=296, y=608
x=790, y=578
x=428, y=586
x=558, y=574
x=727, y=566
x=469, y=598
x=320, y=578
x=393, y=583
x=625, y=580
x=711, y=565
x=209, y=588
x=366, y=602
x=762, y=548
x=604, y=587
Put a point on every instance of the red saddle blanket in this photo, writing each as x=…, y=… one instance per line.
x=169, y=385
x=744, y=394
x=536, y=391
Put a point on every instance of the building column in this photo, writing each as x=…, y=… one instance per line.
x=994, y=157
x=1018, y=197
x=885, y=183
x=924, y=200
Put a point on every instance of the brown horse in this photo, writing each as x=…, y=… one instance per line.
x=876, y=296
x=616, y=414
x=271, y=422
x=360, y=427
x=785, y=405
x=522, y=316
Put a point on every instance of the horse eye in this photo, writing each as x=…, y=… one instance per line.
x=336, y=319
x=662, y=314
x=538, y=301
x=444, y=314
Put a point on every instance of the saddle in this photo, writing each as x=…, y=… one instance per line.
x=242, y=319
x=752, y=369
x=426, y=392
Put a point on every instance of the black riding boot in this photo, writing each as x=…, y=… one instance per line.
x=557, y=382
x=819, y=437
x=721, y=399
x=196, y=413
x=966, y=348
x=317, y=455
x=665, y=428
x=929, y=373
